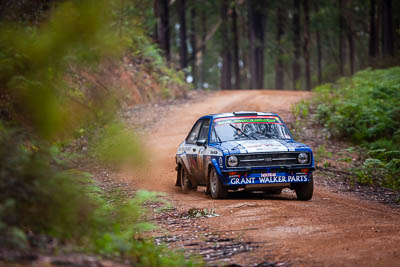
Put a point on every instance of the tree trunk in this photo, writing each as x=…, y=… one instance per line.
x=225, y=49
x=156, y=26
x=350, y=39
x=182, y=33
x=372, y=30
x=341, y=41
x=387, y=28
x=245, y=52
x=252, y=47
x=306, y=45
x=163, y=35
x=396, y=21
x=296, y=43
x=319, y=48
x=203, y=48
x=319, y=56
x=193, y=43
x=257, y=21
x=278, y=61
x=379, y=21
x=235, y=49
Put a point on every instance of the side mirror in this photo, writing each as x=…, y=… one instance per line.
x=201, y=142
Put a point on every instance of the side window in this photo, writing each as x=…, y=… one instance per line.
x=194, y=133
x=204, y=130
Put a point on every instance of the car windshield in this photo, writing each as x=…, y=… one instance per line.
x=248, y=128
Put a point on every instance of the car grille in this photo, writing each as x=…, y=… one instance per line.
x=269, y=159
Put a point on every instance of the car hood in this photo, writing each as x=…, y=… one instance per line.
x=260, y=146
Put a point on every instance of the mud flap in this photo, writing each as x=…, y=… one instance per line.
x=178, y=175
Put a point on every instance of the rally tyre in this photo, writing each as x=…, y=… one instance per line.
x=304, y=191
x=217, y=190
x=185, y=183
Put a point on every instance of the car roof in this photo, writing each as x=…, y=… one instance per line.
x=239, y=114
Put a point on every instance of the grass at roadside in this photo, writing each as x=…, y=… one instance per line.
x=364, y=110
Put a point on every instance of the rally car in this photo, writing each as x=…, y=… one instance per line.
x=251, y=151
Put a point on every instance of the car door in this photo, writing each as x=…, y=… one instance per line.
x=203, y=135
x=191, y=149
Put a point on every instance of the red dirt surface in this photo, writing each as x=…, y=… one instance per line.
x=333, y=229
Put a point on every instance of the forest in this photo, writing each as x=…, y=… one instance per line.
x=73, y=74
x=276, y=44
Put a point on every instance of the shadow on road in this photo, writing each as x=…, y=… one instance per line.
x=259, y=195
x=242, y=195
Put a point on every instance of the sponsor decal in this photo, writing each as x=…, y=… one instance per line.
x=268, y=175
x=267, y=178
x=260, y=119
x=273, y=179
x=242, y=181
x=297, y=178
x=213, y=152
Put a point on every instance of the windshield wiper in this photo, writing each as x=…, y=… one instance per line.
x=240, y=130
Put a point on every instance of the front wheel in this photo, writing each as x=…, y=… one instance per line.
x=185, y=183
x=217, y=190
x=304, y=191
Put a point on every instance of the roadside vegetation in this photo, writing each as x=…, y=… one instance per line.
x=365, y=110
x=46, y=104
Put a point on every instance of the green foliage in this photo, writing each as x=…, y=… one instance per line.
x=321, y=153
x=363, y=108
x=301, y=109
x=27, y=191
x=115, y=144
x=133, y=20
x=37, y=196
x=33, y=61
x=145, y=252
x=39, y=193
x=366, y=110
x=382, y=172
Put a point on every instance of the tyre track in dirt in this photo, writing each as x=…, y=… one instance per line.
x=333, y=229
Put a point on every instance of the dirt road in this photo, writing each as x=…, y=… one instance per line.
x=333, y=229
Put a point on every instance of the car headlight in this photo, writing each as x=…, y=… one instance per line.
x=302, y=158
x=233, y=161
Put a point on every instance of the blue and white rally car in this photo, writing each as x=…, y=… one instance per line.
x=253, y=151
